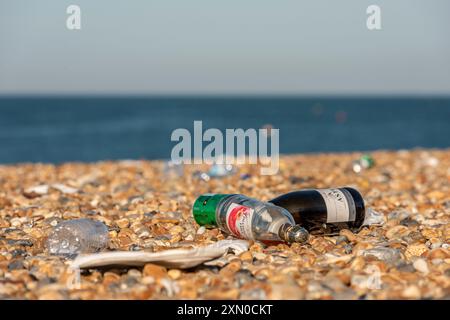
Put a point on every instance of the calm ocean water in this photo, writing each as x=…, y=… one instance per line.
x=88, y=129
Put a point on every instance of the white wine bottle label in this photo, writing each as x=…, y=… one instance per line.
x=239, y=221
x=340, y=205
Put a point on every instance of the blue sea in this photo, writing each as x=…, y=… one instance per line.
x=58, y=129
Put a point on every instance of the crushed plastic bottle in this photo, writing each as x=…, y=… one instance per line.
x=247, y=218
x=181, y=258
x=366, y=161
x=72, y=237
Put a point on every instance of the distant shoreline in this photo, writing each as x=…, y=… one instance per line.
x=125, y=161
x=85, y=129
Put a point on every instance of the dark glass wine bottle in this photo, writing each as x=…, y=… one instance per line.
x=324, y=210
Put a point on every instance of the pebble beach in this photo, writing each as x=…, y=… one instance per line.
x=148, y=207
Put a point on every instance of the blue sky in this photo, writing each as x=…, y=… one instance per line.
x=224, y=47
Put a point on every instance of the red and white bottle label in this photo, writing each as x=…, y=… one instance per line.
x=239, y=221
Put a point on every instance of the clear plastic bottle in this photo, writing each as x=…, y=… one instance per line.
x=72, y=237
x=247, y=218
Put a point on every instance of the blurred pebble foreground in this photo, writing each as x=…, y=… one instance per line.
x=148, y=207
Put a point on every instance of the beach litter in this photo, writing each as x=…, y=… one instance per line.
x=247, y=218
x=366, y=161
x=173, y=258
x=216, y=171
x=43, y=189
x=76, y=236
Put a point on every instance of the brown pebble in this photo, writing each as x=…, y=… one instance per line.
x=188, y=292
x=397, y=232
x=421, y=265
x=174, y=274
x=264, y=272
x=349, y=235
x=231, y=268
x=175, y=230
x=226, y=294
x=431, y=233
x=246, y=256
x=154, y=271
x=415, y=250
x=110, y=277
x=411, y=292
x=438, y=254
x=123, y=223
x=358, y=264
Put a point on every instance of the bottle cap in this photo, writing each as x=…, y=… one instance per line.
x=293, y=233
x=367, y=161
x=204, y=209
